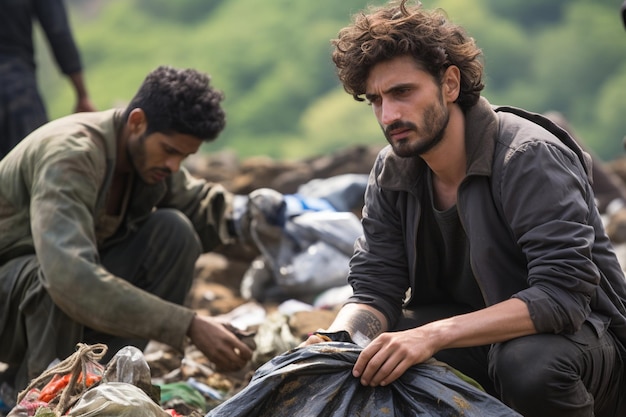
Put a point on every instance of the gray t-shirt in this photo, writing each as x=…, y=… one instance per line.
x=444, y=271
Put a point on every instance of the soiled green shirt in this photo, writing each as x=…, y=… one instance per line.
x=53, y=189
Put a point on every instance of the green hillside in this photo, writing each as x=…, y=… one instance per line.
x=272, y=60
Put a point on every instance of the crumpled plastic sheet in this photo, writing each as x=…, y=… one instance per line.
x=118, y=399
x=317, y=381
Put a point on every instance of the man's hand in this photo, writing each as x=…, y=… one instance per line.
x=219, y=344
x=84, y=104
x=389, y=355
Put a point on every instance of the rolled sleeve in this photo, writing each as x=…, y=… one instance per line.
x=550, y=218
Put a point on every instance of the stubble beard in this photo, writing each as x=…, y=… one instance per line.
x=435, y=122
x=137, y=154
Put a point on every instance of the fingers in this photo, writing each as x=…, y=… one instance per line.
x=219, y=344
x=231, y=355
x=230, y=358
x=380, y=369
x=381, y=363
x=379, y=372
x=242, y=351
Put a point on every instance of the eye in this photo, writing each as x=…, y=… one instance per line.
x=402, y=91
x=373, y=100
x=169, y=150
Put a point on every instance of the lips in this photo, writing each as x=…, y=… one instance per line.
x=159, y=176
x=399, y=134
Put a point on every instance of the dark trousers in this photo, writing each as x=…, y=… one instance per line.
x=159, y=258
x=541, y=375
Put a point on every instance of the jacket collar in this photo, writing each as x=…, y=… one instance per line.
x=481, y=129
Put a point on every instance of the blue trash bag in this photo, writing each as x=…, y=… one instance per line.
x=317, y=381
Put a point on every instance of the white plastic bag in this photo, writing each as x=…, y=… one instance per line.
x=116, y=399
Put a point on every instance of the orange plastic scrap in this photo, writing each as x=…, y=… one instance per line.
x=91, y=379
x=52, y=388
x=59, y=382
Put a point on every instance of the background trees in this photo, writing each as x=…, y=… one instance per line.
x=272, y=59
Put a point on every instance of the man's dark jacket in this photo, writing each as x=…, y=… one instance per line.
x=528, y=210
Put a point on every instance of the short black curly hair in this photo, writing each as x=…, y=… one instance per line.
x=180, y=101
x=387, y=32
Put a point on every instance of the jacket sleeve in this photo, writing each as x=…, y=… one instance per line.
x=378, y=268
x=549, y=204
x=66, y=178
x=208, y=205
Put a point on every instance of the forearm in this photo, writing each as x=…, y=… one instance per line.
x=500, y=322
x=359, y=318
x=78, y=84
x=83, y=102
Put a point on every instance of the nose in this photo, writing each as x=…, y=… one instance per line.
x=173, y=163
x=389, y=113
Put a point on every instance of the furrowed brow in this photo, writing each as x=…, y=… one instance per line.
x=371, y=97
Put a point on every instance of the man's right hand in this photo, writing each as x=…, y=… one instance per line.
x=218, y=344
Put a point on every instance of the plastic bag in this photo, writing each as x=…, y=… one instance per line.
x=344, y=192
x=317, y=381
x=129, y=365
x=58, y=387
x=312, y=256
x=305, y=239
x=116, y=399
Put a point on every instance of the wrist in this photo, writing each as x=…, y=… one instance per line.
x=440, y=334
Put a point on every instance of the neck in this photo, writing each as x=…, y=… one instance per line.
x=448, y=161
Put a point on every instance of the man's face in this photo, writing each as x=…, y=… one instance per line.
x=408, y=105
x=157, y=155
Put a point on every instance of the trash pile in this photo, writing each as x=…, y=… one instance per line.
x=318, y=379
x=307, y=378
x=81, y=386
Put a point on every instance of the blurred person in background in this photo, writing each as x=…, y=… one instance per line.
x=22, y=109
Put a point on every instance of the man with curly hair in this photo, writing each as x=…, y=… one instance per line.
x=100, y=228
x=482, y=245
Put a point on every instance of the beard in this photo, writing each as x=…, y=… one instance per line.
x=435, y=122
x=138, y=157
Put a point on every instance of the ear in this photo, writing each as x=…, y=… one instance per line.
x=137, y=122
x=451, y=83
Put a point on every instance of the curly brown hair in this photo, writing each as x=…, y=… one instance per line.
x=394, y=30
x=180, y=101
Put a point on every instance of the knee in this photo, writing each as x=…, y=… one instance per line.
x=173, y=228
x=523, y=373
x=517, y=372
x=536, y=375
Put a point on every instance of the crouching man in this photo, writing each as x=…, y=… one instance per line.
x=101, y=226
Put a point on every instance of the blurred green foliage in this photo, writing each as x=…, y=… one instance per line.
x=272, y=60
